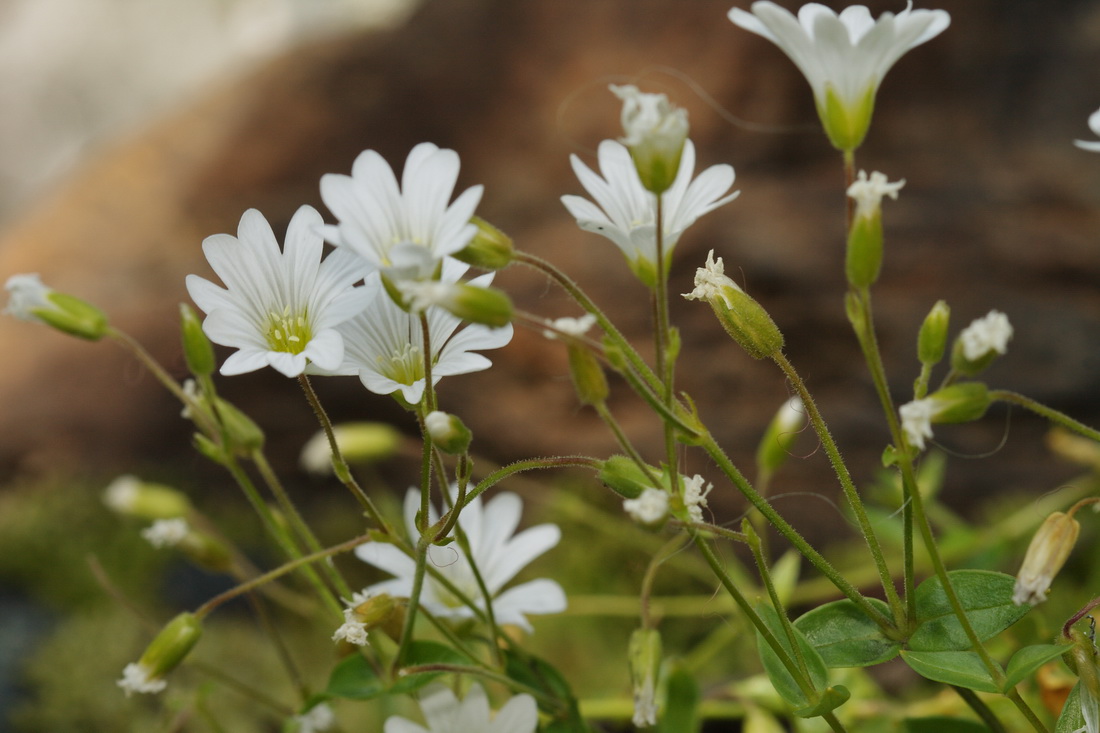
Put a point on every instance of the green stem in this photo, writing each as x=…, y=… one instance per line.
x=666, y=363
x=983, y=711
x=773, y=594
x=1055, y=416
x=531, y=464
x=625, y=444
x=846, y=483
x=667, y=550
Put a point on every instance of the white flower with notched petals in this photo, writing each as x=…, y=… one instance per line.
x=444, y=713
x=1094, y=125
x=626, y=213
x=384, y=345
x=989, y=333
x=916, y=420
x=844, y=57
x=279, y=308
x=405, y=230
x=497, y=554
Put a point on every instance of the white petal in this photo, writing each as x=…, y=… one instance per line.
x=537, y=597
x=519, y=552
x=519, y=715
x=387, y=557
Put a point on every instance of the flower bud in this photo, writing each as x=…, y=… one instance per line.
x=490, y=249
x=587, y=374
x=448, y=433
x=197, y=349
x=130, y=496
x=980, y=343
x=655, y=134
x=245, y=436
x=958, y=403
x=364, y=613
x=473, y=303
x=743, y=318
x=624, y=477
x=932, y=339
x=775, y=446
x=200, y=548
x=359, y=442
x=864, y=256
x=645, y=664
x=164, y=654
x=30, y=300
x=1045, y=556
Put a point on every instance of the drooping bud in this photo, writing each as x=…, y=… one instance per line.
x=932, y=339
x=490, y=249
x=197, y=349
x=980, y=343
x=1045, y=556
x=473, y=303
x=655, y=135
x=133, y=497
x=775, y=446
x=448, y=433
x=623, y=476
x=645, y=664
x=359, y=442
x=958, y=403
x=164, y=654
x=30, y=300
x=743, y=318
x=864, y=257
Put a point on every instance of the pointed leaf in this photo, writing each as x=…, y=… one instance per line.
x=845, y=637
x=963, y=669
x=1028, y=660
x=681, y=701
x=541, y=675
x=986, y=597
x=780, y=678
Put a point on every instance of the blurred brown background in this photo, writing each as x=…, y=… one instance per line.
x=1000, y=211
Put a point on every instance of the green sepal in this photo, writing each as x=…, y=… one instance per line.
x=863, y=259
x=73, y=316
x=831, y=699
x=846, y=125
x=962, y=669
x=1026, y=661
x=845, y=637
x=986, y=598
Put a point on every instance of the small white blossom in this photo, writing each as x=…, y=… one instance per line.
x=916, y=420
x=868, y=192
x=498, y=554
x=444, y=713
x=120, y=494
x=695, y=496
x=26, y=294
x=1046, y=554
x=135, y=678
x=650, y=118
x=353, y=630
x=166, y=532
x=649, y=508
x=318, y=718
x=575, y=327
x=710, y=280
x=986, y=334
x=1094, y=125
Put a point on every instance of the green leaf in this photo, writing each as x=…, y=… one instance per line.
x=831, y=699
x=963, y=669
x=780, y=678
x=1029, y=659
x=529, y=670
x=354, y=679
x=425, y=652
x=681, y=701
x=986, y=598
x=1071, y=718
x=845, y=636
x=940, y=724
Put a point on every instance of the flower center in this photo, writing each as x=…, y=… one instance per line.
x=288, y=332
x=405, y=366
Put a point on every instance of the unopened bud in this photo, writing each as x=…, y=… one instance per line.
x=30, y=300
x=133, y=497
x=587, y=374
x=775, y=446
x=932, y=340
x=864, y=257
x=448, y=433
x=1045, y=556
x=958, y=403
x=245, y=436
x=473, y=303
x=490, y=249
x=197, y=349
x=365, y=613
x=164, y=654
x=624, y=477
x=743, y=318
x=645, y=664
x=980, y=343
x=359, y=442
x=655, y=134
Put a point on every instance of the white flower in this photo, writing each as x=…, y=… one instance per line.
x=497, y=554
x=649, y=508
x=655, y=133
x=279, y=309
x=575, y=327
x=711, y=280
x=988, y=333
x=404, y=230
x=32, y=301
x=443, y=713
x=626, y=213
x=1050, y=547
x=384, y=345
x=1094, y=125
x=136, y=678
x=868, y=193
x=318, y=718
x=26, y=294
x=844, y=57
x=695, y=496
x=916, y=420
x=166, y=532
x=353, y=630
